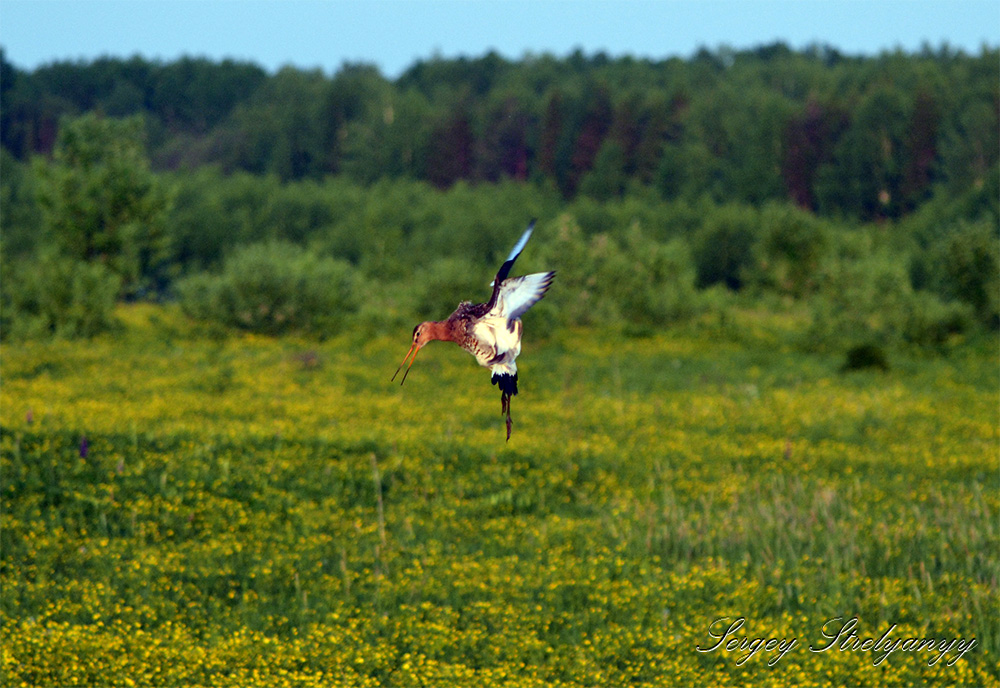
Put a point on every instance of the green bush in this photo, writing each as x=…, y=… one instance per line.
x=724, y=245
x=447, y=281
x=637, y=281
x=21, y=216
x=272, y=288
x=969, y=268
x=930, y=321
x=57, y=296
x=862, y=300
x=653, y=282
x=789, y=251
x=581, y=295
x=865, y=297
x=865, y=356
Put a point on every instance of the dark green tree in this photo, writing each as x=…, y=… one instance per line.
x=502, y=150
x=101, y=203
x=810, y=137
x=596, y=122
x=451, y=148
x=921, y=143
x=864, y=178
x=19, y=216
x=548, y=143
x=971, y=142
x=607, y=177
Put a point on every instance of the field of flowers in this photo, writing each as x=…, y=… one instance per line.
x=223, y=510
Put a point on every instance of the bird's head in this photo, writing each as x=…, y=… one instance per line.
x=422, y=334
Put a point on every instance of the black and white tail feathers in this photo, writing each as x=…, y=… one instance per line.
x=506, y=382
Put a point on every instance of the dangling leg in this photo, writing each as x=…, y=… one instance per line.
x=508, y=388
x=505, y=402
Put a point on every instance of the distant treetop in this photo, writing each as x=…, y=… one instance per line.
x=859, y=137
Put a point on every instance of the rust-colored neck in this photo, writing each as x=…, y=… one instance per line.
x=440, y=330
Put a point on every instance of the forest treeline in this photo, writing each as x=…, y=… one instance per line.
x=862, y=189
x=860, y=137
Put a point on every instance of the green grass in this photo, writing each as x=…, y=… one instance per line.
x=275, y=512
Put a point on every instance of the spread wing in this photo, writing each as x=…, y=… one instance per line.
x=506, y=267
x=514, y=253
x=480, y=309
x=517, y=295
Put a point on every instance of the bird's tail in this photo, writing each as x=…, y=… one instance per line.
x=506, y=381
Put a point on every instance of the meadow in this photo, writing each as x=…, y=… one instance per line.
x=194, y=507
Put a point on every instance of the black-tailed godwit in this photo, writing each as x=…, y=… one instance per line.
x=490, y=331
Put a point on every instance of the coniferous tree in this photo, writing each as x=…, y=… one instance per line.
x=100, y=201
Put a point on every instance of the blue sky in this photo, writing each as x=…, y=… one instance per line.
x=394, y=33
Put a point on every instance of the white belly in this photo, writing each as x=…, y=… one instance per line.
x=498, y=345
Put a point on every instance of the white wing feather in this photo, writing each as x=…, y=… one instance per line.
x=518, y=294
x=519, y=246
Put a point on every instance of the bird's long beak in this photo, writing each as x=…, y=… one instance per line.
x=413, y=350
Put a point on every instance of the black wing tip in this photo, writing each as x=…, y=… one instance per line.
x=501, y=276
x=508, y=264
x=543, y=286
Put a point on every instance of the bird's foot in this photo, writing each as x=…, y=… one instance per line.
x=509, y=424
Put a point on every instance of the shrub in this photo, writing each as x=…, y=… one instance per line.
x=446, y=282
x=864, y=356
x=639, y=281
x=862, y=300
x=653, y=282
x=22, y=221
x=789, y=251
x=582, y=295
x=272, y=288
x=969, y=260
x=57, y=296
x=929, y=321
x=723, y=246
x=865, y=298
x=566, y=251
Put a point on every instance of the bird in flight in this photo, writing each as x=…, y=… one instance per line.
x=490, y=331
